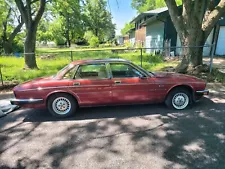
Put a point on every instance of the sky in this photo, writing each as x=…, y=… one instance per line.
x=121, y=12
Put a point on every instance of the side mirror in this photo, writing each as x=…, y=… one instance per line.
x=142, y=77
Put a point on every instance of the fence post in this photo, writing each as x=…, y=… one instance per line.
x=141, y=57
x=211, y=59
x=1, y=75
x=71, y=55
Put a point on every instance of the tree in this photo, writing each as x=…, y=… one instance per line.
x=57, y=31
x=71, y=15
x=145, y=5
x=98, y=19
x=193, y=25
x=9, y=29
x=126, y=28
x=31, y=12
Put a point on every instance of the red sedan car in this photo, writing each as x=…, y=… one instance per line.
x=107, y=82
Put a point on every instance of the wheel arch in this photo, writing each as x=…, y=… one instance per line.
x=64, y=92
x=185, y=86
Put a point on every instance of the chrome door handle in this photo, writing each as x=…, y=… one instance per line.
x=76, y=83
x=117, y=82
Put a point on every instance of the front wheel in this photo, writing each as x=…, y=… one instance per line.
x=179, y=99
x=61, y=105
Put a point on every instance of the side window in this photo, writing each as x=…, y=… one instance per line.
x=120, y=70
x=92, y=71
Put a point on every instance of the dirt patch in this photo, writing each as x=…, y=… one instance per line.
x=7, y=87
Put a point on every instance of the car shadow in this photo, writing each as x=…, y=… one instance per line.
x=120, y=112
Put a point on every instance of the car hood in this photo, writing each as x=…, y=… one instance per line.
x=176, y=76
x=33, y=83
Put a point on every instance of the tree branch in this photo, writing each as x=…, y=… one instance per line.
x=5, y=24
x=22, y=10
x=40, y=11
x=28, y=9
x=213, y=17
x=199, y=9
x=187, y=10
x=16, y=31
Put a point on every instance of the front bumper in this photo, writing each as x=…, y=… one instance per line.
x=202, y=92
x=26, y=101
x=198, y=94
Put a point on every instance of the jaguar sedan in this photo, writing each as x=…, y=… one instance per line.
x=107, y=82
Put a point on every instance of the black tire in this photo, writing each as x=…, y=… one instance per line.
x=182, y=91
x=67, y=99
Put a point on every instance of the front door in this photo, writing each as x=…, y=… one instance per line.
x=92, y=85
x=129, y=84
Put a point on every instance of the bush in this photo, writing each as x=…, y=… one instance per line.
x=18, y=47
x=59, y=40
x=94, y=41
x=128, y=44
x=152, y=58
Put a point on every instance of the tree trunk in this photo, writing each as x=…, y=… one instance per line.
x=29, y=49
x=7, y=46
x=192, y=51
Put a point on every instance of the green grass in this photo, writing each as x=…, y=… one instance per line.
x=12, y=67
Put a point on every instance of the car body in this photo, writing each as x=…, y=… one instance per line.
x=107, y=82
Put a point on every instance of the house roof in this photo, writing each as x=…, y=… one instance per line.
x=158, y=13
x=150, y=13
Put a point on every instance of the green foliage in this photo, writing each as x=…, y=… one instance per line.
x=99, y=20
x=94, y=41
x=71, y=18
x=44, y=34
x=128, y=44
x=145, y=5
x=126, y=28
x=18, y=47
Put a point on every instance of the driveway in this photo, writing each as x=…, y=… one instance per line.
x=137, y=136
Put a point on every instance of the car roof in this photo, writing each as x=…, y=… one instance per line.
x=88, y=61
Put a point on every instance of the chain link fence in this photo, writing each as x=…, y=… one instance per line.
x=144, y=57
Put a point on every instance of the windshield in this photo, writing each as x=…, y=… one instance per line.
x=145, y=71
x=64, y=70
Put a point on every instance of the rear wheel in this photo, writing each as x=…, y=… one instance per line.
x=61, y=105
x=179, y=99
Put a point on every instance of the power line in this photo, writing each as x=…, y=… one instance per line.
x=109, y=7
x=117, y=4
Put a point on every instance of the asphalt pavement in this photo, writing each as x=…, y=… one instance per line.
x=126, y=137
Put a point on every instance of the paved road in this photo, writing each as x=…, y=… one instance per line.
x=136, y=137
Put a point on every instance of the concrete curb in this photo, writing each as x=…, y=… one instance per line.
x=6, y=95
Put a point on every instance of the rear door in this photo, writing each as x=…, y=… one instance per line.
x=92, y=85
x=129, y=84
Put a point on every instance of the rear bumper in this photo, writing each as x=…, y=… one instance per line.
x=26, y=101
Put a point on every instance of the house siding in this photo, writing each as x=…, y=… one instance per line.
x=140, y=36
x=132, y=38
x=170, y=33
x=220, y=49
x=154, y=36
